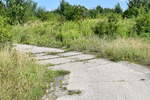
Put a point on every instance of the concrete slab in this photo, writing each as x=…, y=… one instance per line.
x=73, y=53
x=46, y=57
x=55, y=61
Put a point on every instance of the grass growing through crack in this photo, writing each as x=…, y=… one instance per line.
x=21, y=78
x=52, y=53
x=49, y=65
x=74, y=92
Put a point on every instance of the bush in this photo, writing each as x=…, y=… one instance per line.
x=4, y=34
x=142, y=25
x=107, y=27
x=125, y=28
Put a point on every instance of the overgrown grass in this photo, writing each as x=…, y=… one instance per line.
x=125, y=45
x=21, y=78
x=129, y=49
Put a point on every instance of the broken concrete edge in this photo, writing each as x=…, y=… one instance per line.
x=58, y=88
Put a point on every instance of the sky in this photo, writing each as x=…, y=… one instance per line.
x=53, y=4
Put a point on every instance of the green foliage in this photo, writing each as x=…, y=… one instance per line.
x=30, y=11
x=42, y=14
x=66, y=10
x=125, y=27
x=72, y=12
x=118, y=9
x=18, y=11
x=4, y=34
x=108, y=10
x=134, y=7
x=80, y=12
x=132, y=12
x=93, y=13
x=107, y=27
x=2, y=9
x=138, y=3
x=142, y=25
x=15, y=11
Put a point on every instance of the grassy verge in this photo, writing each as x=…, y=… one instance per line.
x=127, y=49
x=21, y=78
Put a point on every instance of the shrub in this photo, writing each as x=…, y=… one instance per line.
x=125, y=28
x=142, y=24
x=107, y=27
x=4, y=34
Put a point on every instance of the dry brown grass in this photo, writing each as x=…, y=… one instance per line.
x=128, y=49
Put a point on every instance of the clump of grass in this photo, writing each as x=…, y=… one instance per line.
x=130, y=49
x=21, y=78
x=63, y=72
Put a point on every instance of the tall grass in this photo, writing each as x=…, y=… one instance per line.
x=80, y=36
x=129, y=49
x=21, y=78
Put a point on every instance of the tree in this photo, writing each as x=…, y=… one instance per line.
x=2, y=9
x=99, y=9
x=94, y=12
x=31, y=10
x=138, y=3
x=108, y=10
x=18, y=11
x=142, y=25
x=15, y=10
x=42, y=14
x=135, y=6
x=71, y=12
x=134, y=3
x=131, y=13
x=79, y=12
x=118, y=8
x=66, y=10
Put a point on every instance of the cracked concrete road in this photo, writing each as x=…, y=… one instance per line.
x=97, y=79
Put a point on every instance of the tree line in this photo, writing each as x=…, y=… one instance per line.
x=20, y=11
